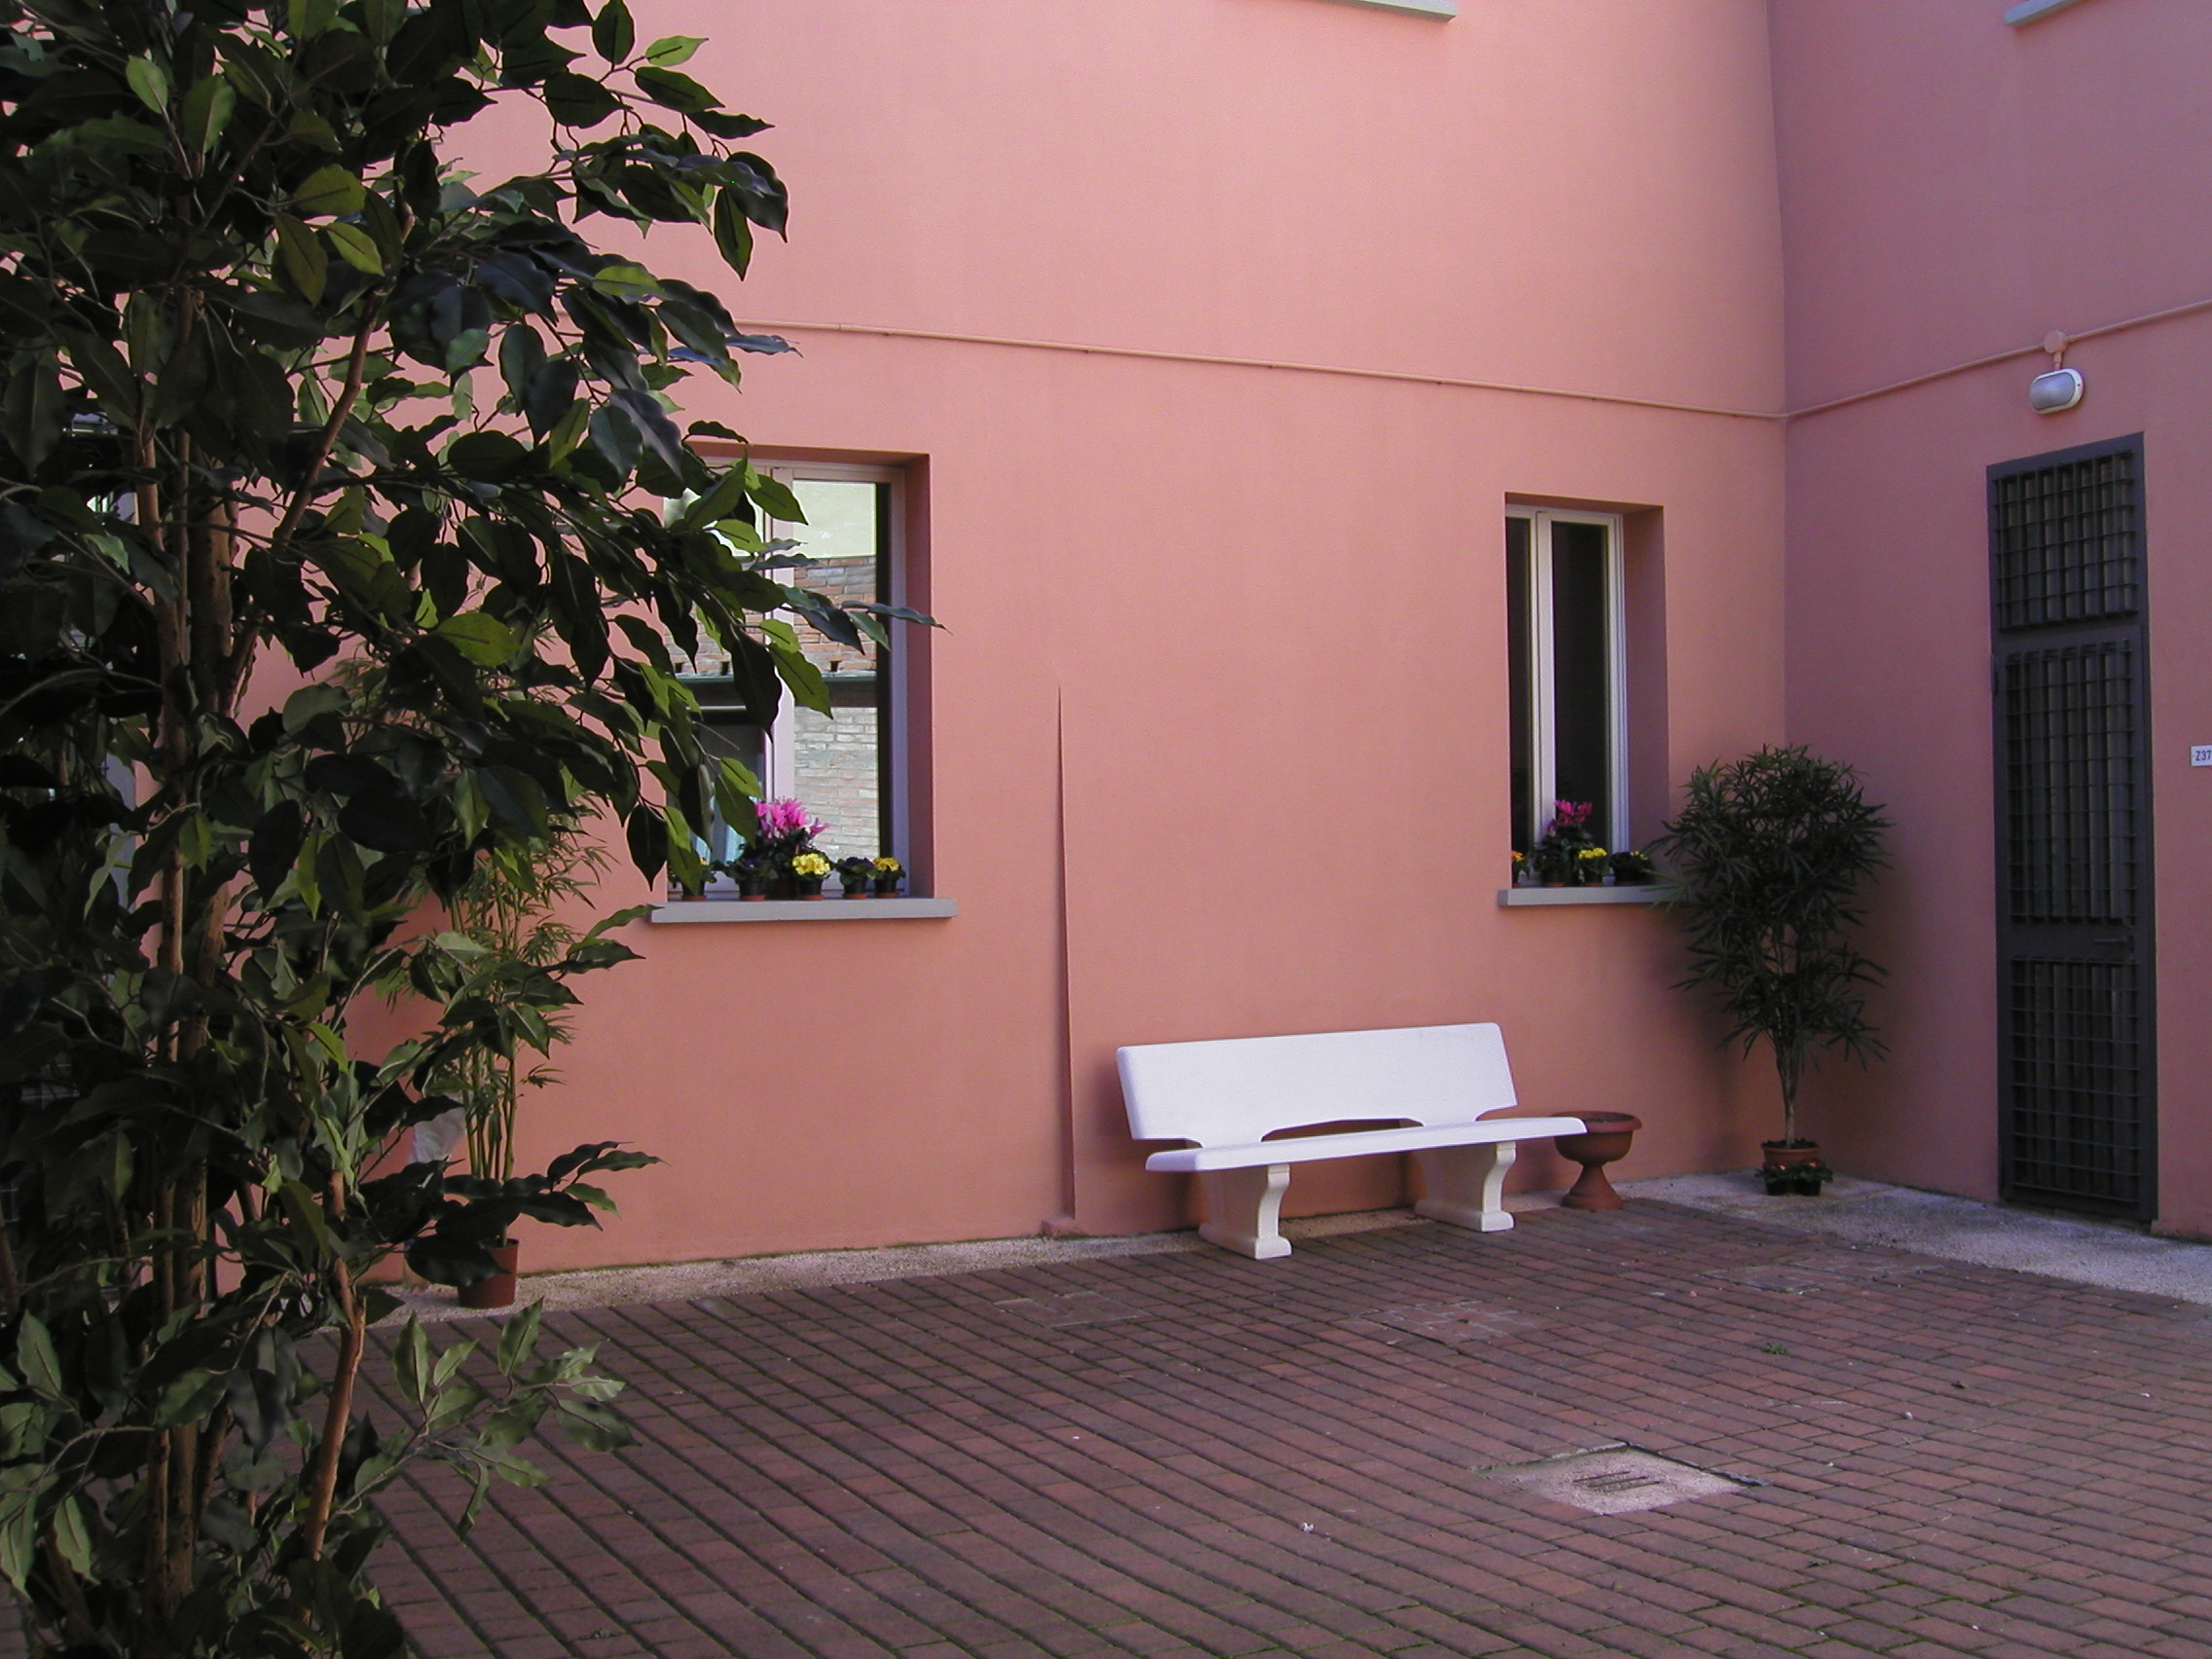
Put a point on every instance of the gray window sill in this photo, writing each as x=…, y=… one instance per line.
x=1418, y=8
x=2028, y=11
x=1650, y=893
x=827, y=909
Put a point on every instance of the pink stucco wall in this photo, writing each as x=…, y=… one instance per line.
x=1225, y=652
x=1953, y=189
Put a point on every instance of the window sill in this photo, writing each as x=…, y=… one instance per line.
x=2028, y=11
x=1650, y=893
x=1418, y=8
x=802, y=910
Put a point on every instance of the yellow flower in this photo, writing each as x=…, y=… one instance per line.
x=889, y=866
x=810, y=865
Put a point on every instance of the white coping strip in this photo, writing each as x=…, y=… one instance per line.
x=823, y=909
x=1418, y=8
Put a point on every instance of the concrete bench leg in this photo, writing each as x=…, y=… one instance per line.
x=1466, y=1185
x=1243, y=1206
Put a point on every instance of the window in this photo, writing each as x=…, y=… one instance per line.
x=1568, y=656
x=847, y=767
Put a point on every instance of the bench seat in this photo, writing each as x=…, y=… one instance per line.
x=1228, y=1095
x=1356, y=1143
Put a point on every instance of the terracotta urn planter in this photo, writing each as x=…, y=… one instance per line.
x=1794, y=1167
x=1605, y=1140
x=497, y=1291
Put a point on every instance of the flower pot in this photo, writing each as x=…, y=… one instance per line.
x=1606, y=1140
x=497, y=1291
x=752, y=894
x=887, y=886
x=1551, y=884
x=809, y=886
x=1794, y=1167
x=860, y=891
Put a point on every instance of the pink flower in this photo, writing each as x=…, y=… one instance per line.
x=1569, y=815
x=780, y=818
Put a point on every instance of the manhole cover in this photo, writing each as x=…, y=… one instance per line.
x=1448, y=1321
x=1075, y=1307
x=1617, y=1480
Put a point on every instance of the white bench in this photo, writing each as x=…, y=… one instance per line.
x=1228, y=1095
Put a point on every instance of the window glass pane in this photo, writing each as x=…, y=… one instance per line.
x=728, y=735
x=839, y=761
x=1520, y=668
x=1582, y=664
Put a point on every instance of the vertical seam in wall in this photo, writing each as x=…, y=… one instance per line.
x=1067, y=1214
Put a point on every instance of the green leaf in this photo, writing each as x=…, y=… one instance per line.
x=299, y=257
x=484, y=641
x=669, y=51
x=578, y=100
x=773, y=496
x=673, y=90
x=207, y=111
x=355, y=246
x=626, y=282
x=733, y=230
x=411, y=1362
x=35, y=1358
x=329, y=190
x=189, y=1398
x=73, y=1535
x=612, y=33
x=150, y=81
x=518, y=1339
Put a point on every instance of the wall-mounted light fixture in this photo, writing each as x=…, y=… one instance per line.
x=2057, y=388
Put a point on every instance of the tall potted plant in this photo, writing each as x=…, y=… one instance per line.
x=503, y=963
x=1769, y=853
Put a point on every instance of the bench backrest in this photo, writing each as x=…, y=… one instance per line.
x=1238, y=1089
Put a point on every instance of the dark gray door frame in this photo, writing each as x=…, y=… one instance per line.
x=2077, y=1030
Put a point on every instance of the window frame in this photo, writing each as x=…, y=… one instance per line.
x=896, y=804
x=1543, y=751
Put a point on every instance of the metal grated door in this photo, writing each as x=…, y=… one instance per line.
x=2073, y=851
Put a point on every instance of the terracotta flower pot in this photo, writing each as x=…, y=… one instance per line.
x=1606, y=1140
x=1794, y=1167
x=497, y=1291
x=887, y=886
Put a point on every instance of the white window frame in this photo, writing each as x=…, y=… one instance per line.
x=779, y=771
x=1543, y=756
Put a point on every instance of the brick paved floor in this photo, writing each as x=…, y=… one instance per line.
x=1196, y=1454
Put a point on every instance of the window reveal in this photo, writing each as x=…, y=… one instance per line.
x=1565, y=656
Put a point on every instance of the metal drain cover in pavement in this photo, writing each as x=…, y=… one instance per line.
x=1075, y=1307
x=1448, y=1321
x=1618, y=1480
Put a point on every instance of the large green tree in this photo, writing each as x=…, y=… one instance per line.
x=289, y=400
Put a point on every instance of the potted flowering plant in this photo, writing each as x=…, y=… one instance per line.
x=855, y=876
x=784, y=832
x=809, y=870
x=889, y=873
x=753, y=873
x=1521, y=875
x=1558, y=855
x=1591, y=865
x=1633, y=870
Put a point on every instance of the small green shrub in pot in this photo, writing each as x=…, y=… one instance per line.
x=1769, y=854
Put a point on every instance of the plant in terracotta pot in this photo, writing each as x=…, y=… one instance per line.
x=809, y=870
x=1769, y=854
x=510, y=941
x=1591, y=867
x=888, y=873
x=1558, y=854
x=856, y=876
x=1633, y=870
x=751, y=873
x=784, y=832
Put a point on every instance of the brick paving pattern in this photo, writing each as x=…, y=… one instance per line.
x=1195, y=1455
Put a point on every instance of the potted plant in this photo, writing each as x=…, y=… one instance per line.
x=508, y=941
x=1521, y=875
x=1633, y=870
x=1558, y=854
x=1769, y=853
x=784, y=832
x=1590, y=866
x=809, y=870
x=753, y=873
x=889, y=873
x=855, y=875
